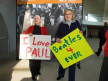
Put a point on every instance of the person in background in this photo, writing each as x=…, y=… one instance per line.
x=102, y=38
x=91, y=33
x=36, y=29
x=84, y=33
x=104, y=67
x=65, y=28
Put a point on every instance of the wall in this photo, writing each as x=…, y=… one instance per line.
x=4, y=51
x=8, y=11
x=93, y=7
x=106, y=11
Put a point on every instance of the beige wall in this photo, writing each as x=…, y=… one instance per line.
x=93, y=7
x=8, y=12
x=106, y=9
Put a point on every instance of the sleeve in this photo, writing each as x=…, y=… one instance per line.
x=78, y=25
x=58, y=33
x=46, y=32
x=29, y=30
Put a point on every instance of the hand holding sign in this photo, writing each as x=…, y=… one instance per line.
x=58, y=40
x=35, y=47
x=72, y=49
x=30, y=34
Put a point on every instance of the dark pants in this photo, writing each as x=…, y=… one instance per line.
x=35, y=66
x=61, y=72
x=104, y=70
x=100, y=46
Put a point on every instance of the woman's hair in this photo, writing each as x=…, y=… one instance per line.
x=72, y=12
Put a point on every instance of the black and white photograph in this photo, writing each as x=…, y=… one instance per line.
x=51, y=15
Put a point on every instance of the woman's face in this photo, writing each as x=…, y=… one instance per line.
x=68, y=16
x=37, y=20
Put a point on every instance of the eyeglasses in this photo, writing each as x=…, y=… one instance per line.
x=68, y=14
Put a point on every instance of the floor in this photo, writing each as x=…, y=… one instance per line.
x=12, y=70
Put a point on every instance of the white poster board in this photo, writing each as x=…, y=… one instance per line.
x=35, y=47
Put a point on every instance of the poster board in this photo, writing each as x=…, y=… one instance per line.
x=72, y=49
x=35, y=47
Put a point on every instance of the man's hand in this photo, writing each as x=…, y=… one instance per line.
x=103, y=47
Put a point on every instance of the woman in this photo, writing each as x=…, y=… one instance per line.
x=104, y=68
x=65, y=28
x=35, y=65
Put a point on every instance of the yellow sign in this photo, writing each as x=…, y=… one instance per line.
x=19, y=2
x=73, y=49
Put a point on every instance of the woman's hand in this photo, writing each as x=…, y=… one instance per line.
x=103, y=46
x=81, y=31
x=58, y=40
x=30, y=34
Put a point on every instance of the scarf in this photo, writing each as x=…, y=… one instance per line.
x=36, y=30
x=69, y=22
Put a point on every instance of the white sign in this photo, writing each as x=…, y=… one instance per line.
x=35, y=47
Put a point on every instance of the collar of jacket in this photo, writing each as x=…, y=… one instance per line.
x=69, y=23
x=66, y=22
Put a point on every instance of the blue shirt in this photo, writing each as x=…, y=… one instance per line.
x=64, y=29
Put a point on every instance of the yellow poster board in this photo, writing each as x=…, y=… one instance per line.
x=73, y=49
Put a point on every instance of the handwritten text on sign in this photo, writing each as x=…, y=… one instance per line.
x=72, y=49
x=35, y=47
